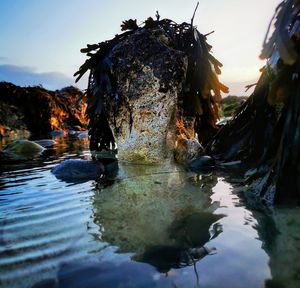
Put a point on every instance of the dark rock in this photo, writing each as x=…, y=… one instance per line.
x=45, y=142
x=74, y=133
x=83, y=135
x=58, y=133
x=204, y=163
x=78, y=170
x=187, y=150
x=53, y=110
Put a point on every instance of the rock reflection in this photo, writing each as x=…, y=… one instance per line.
x=161, y=214
x=189, y=235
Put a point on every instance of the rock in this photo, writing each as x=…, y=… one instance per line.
x=152, y=87
x=58, y=133
x=53, y=110
x=75, y=169
x=22, y=149
x=83, y=135
x=74, y=133
x=45, y=142
x=149, y=80
x=223, y=121
x=204, y=163
x=187, y=150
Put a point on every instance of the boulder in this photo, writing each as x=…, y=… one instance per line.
x=153, y=88
x=149, y=84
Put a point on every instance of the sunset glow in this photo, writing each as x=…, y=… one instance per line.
x=40, y=40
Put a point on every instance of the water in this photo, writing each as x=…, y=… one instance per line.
x=139, y=230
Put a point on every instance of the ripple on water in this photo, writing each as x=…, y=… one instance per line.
x=84, y=235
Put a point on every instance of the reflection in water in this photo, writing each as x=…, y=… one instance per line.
x=189, y=234
x=144, y=226
x=139, y=209
x=279, y=230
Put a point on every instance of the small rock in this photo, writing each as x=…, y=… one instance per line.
x=203, y=163
x=223, y=121
x=74, y=133
x=58, y=133
x=83, y=135
x=23, y=149
x=78, y=170
x=45, y=142
x=187, y=150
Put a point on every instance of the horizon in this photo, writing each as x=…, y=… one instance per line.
x=39, y=50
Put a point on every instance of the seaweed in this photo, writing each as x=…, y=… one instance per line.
x=201, y=93
x=264, y=132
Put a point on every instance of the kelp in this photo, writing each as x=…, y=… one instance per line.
x=264, y=134
x=201, y=93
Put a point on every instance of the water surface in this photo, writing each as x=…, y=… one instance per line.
x=139, y=229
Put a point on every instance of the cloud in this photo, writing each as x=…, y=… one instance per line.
x=26, y=76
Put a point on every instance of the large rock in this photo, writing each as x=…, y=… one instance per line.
x=152, y=87
x=148, y=83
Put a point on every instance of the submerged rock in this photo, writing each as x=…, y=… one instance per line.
x=75, y=169
x=22, y=149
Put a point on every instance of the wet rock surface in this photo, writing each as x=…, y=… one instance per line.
x=78, y=170
x=45, y=142
x=147, y=85
x=202, y=164
x=152, y=88
x=22, y=149
x=187, y=150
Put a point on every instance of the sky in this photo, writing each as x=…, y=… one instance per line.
x=40, y=39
